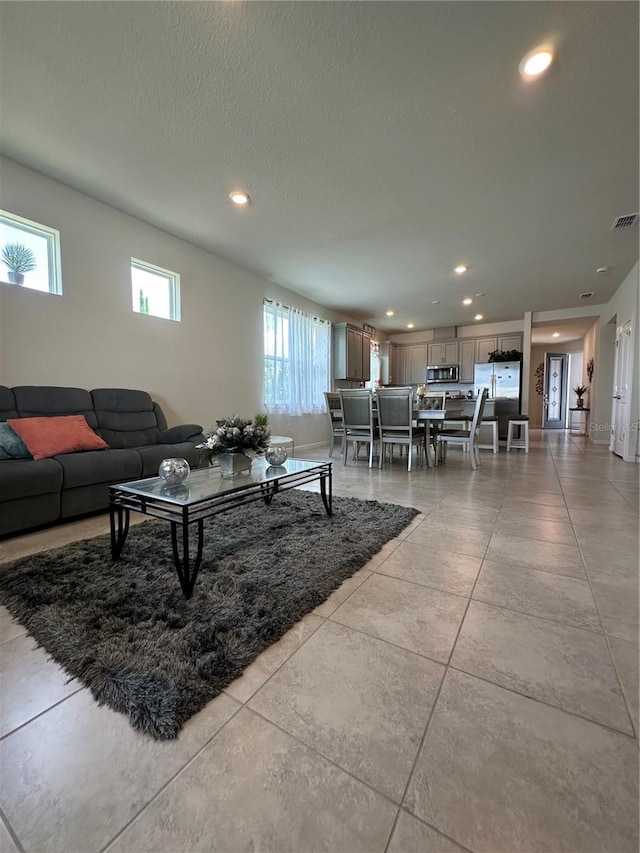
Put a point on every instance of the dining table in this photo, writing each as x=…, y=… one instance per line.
x=421, y=416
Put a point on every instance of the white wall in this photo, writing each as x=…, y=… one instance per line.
x=624, y=305
x=210, y=365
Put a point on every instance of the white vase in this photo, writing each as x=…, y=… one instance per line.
x=232, y=464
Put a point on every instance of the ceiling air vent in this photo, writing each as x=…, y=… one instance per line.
x=625, y=221
x=588, y=294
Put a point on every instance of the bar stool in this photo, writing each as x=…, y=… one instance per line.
x=522, y=422
x=491, y=421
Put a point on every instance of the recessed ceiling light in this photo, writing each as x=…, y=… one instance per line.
x=602, y=269
x=536, y=61
x=555, y=335
x=409, y=325
x=479, y=317
x=435, y=302
x=239, y=197
x=460, y=269
x=467, y=301
x=480, y=294
x=389, y=313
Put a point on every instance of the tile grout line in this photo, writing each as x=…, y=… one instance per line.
x=10, y=830
x=608, y=644
x=440, y=686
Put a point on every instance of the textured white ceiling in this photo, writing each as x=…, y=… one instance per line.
x=382, y=143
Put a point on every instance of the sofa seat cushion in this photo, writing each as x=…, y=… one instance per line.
x=24, y=478
x=47, y=437
x=99, y=466
x=152, y=456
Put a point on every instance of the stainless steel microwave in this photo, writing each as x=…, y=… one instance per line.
x=443, y=373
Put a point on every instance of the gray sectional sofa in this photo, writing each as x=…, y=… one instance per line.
x=37, y=492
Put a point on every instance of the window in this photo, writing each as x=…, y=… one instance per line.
x=155, y=291
x=29, y=254
x=297, y=360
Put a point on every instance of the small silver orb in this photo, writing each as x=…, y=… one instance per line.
x=275, y=455
x=174, y=471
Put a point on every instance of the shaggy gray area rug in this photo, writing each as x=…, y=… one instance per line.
x=125, y=630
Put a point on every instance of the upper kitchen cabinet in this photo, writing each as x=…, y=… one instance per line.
x=503, y=343
x=351, y=353
x=506, y=343
x=415, y=364
x=484, y=346
x=467, y=356
x=444, y=353
x=392, y=361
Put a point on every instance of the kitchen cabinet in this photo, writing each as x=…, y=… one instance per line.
x=484, y=346
x=504, y=343
x=351, y=353
x=415, y=364
x=443, y=353
x=392, y=358
x=467, y=356
x=510, y=342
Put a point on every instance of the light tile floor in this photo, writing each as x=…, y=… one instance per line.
x=474, y=686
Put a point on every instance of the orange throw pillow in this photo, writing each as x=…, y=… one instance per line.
x=47, y=437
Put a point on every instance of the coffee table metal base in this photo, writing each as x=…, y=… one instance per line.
x=183, y=516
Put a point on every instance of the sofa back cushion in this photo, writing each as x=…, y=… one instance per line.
x=7, y=403
x=35, y=401
x=125, y=418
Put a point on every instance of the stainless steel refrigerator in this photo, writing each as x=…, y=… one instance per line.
x=503, y=379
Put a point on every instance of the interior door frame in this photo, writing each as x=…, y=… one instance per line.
x=555, y=395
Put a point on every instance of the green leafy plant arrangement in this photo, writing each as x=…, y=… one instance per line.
x=18, y=258
x=580, y=391
x=505, y=355
x=238, y=435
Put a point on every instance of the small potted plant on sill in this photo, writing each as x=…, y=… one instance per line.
x=580, y=391
x=18, y=259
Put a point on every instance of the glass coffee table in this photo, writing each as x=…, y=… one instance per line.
x=203, y=494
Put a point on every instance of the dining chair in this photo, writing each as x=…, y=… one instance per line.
x=467, y=438
x=395, y=422
x=334, y=418
x=434, y=400
x=358, y=420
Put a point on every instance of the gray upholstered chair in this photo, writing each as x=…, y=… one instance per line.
x=358, y=421
x=467, y=438
x=395, y=422
x=334, y=419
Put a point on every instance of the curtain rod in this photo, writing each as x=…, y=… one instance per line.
x=266, y=301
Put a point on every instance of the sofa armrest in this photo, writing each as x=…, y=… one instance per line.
x=176, y=434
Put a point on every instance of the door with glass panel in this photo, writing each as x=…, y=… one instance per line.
x=556, y=371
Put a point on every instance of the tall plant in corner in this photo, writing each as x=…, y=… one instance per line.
x=18, y=259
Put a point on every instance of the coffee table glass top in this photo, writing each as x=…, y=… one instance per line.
x=203, y=483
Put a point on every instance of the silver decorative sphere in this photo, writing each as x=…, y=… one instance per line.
x=275, y=455
x=174, y=471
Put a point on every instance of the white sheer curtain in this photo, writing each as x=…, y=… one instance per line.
x=297, y=360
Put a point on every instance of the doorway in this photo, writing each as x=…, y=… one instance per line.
x=621, y=388
x=554, y=405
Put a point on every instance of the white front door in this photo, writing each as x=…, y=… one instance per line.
x=620, y=409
